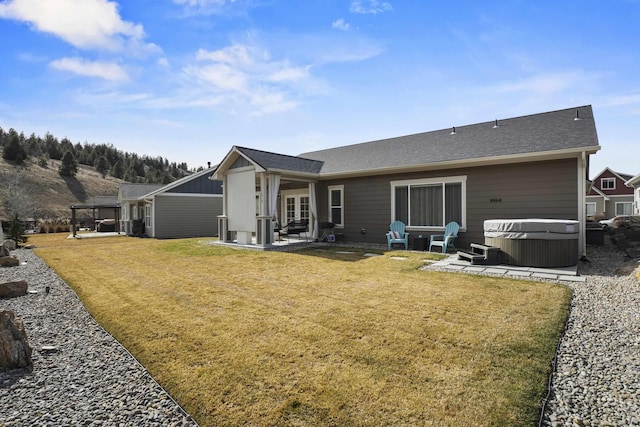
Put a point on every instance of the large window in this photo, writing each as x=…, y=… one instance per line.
x=336, y=205
x=591, y=208
x=624, y=208
x=430, y=202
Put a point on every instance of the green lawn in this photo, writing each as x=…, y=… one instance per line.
x=318, y=338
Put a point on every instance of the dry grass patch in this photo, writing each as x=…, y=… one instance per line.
x=318, y=338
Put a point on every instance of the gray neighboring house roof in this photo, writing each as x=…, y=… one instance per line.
x=131, y=191
x=568, y=130
x=105, y=200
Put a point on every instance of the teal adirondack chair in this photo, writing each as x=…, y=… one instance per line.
x=445, y=240
x=396, y=234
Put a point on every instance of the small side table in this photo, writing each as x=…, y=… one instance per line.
x=420, y=243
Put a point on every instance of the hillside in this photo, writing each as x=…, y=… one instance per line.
x=47, y=193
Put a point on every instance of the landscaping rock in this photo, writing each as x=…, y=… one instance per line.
x=15, y=351
x=9, y=262
x=13, y=289
x=10, y=245
x=4, y=252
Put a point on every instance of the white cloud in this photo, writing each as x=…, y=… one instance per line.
x=370, y=6
x=245, y=74
x=340, y=24
x=290, y=74
x=104, y=70
x=221, y=76
x=164, y=62
x=238, y=55
x=85, y=24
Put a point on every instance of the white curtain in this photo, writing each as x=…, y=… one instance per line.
x=314, y=208
x=274, y=187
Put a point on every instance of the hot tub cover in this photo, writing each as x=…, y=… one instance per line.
x=533, y=228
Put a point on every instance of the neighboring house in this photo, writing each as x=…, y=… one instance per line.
x=533, y=166
x=609, y=195
x=187, y=207
x=634, y=183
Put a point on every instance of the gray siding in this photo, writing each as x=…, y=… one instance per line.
x=186, y=216
x=200, y=185
x=524, y=190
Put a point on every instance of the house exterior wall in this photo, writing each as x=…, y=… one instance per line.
x=600, y=206
x=523, y=190
x=180, y=216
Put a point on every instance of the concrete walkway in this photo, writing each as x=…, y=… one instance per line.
x=452, y=263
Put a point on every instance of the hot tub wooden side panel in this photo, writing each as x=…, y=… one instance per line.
x=535, y=252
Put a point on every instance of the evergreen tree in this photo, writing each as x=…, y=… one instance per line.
x=117, y=171
x=16, y=231
x=14, y=151
x=102, y=166
x=69, y=165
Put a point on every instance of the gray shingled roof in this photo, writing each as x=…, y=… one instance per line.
x=271, y=161
x=132, y=191
x=551, y=131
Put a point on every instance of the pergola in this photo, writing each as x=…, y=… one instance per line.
x=93, y=207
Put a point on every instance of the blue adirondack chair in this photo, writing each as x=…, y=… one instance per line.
x=445, y=240
x=396, y=234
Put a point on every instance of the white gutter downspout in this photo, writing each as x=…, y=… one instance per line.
x=582, y=200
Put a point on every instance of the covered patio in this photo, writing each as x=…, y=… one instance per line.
x=263, y=192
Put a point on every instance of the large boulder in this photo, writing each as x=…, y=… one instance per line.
x=9, y=262
x=15, y=351
x=13, y=289
x=4, y=252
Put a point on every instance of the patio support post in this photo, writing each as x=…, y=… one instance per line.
x=73, y=220
x=263, y=220
x=223, y=232
x=313, y=224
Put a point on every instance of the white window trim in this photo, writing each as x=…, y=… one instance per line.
x=462, y=179
x=603, y=180
x=623, y=203
x=297, y=193
x=332, y=188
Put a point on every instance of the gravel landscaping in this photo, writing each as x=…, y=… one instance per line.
x=597, y=376
x=90, y=379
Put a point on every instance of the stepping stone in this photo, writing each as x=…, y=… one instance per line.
x=495, y=270
x=519, y=273
x=545, y=276
x=474, y=269
x=345, y=252
x=398, y=258
x=370, y=254
x=580, y=279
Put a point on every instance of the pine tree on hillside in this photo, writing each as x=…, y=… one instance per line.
x=102, y=166
x=69, y=165
x=14, y=151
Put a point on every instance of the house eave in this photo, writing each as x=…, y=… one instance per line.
x=454, y=164
x=633, y=181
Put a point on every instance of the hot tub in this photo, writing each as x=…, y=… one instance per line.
x=534, y=242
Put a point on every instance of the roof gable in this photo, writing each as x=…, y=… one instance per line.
x=267, y=161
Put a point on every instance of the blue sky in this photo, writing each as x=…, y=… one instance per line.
x=187, y=79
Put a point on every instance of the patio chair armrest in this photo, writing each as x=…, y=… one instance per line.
x=433, y=237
